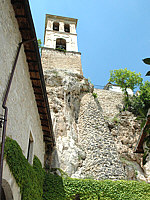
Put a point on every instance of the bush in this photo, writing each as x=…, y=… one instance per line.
x=140, y=104
x=94, y=95
x=66, y=189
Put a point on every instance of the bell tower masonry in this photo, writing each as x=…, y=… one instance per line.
x=60, y=49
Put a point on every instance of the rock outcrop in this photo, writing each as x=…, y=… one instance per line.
x=84, y=144
x=65, y=91
x=94, y=139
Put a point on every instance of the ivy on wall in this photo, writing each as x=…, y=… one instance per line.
x=29, y=179
x=36, y=184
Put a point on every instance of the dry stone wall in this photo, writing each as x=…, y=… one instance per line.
x=101, y=159
x=125, y=130
x=110, y=102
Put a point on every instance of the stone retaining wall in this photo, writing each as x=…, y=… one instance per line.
x=54, y=59
x=101, y=160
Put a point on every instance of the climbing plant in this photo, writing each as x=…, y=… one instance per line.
x=29, y=179
x=36, y=184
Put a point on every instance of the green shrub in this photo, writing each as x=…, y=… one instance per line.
x=140, y=104
x=116, y=120
x=94, y=95
x=59, y=188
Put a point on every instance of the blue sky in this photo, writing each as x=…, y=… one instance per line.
x=112, y=34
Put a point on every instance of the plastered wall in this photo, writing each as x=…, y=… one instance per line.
x=23, y=117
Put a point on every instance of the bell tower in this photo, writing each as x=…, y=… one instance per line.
x=60, y=49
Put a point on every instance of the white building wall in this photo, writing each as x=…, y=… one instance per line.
x=51, y=36
x=23, y=117
x=118, y=89
x=12, y=191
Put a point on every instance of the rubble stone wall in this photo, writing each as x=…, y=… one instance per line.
x=54, y=59
x=101, y=160
x=110, y=102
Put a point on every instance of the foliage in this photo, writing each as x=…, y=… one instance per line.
x=59, y=49
x=116, y=120
x=125, y=79
x=57, y=188
x=141, y=103
x=39, y=43
x=34, y=182
x=28, y=178
x=63, y=174
x=94, y=95
x=145, y=95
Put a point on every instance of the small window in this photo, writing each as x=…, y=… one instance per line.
x=56, y=26
x=61, y=44
x=30, y=149
x=67, y=28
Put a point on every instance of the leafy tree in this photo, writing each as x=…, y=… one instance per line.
x=141, y=103
x=125, y=79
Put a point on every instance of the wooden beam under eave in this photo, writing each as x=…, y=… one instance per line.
x=21, y=16
x=42, y=109
x=34, y=75
x=46, y=128
x=36, y=82
x=37, y=91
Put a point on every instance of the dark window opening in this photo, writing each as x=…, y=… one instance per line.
x=61, y=44
x=30, y=150
x=67, y=28
x=56, y=26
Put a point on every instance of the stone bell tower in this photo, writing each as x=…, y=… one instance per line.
x=60, y=49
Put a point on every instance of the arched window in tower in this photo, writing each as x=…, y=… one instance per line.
x=67, y=28
x=60, y=43
x=56, y=26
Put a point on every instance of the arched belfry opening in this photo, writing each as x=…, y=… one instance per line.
x=67, y=28
x=56, y=26
x=61, y=43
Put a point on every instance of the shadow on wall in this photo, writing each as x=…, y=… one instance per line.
x=55, y=160
x=98, y=105
x=6, y=191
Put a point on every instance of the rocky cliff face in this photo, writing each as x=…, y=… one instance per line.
x=65, y=91
x=93, y=138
